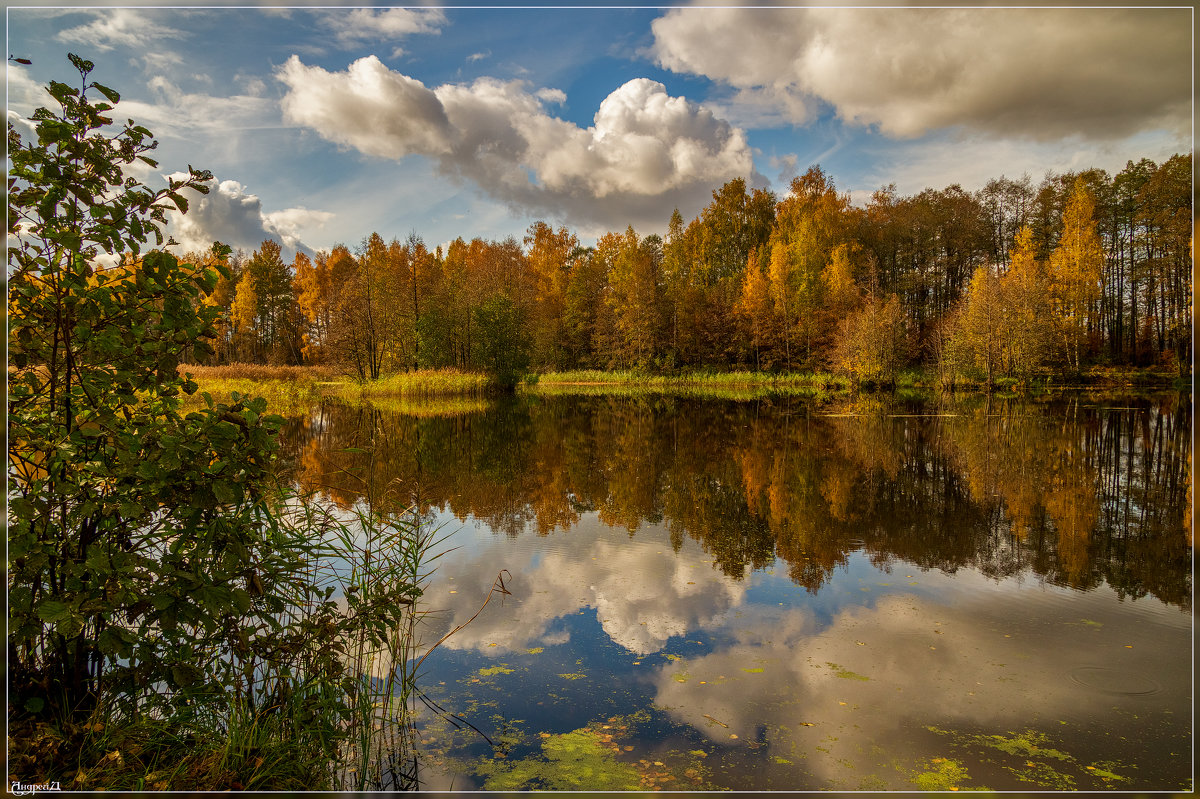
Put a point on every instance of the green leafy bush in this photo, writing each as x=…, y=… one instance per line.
x=157, y=575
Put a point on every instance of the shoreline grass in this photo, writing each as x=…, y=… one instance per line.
x=285, y=388
x=822, y=383
x=294, y=389
x=718, y=385
x=420, y=383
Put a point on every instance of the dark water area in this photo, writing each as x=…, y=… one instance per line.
x=789, y=594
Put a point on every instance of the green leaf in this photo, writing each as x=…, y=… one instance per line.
x=185, y=674
x=224, y=492
x=53, y=611
x=109, y=94
x=34, y=704
x=109, y=643
x=81, y=64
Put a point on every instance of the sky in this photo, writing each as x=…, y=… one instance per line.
x=322, y=125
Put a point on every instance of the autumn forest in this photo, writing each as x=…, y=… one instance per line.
x=1014, y=279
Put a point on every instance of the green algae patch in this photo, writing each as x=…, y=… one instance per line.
x=537, y=650
x=845, y=673
x=571, y=761
x=1029, y=756
x=1103, y=771
x=574, y=675
x=757, y=670
x=1029, y=743
x=494, y=670
x=942, y=774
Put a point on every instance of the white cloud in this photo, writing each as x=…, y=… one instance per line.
x=24, y=93
x=1035, y=73
x=645, y=153
x=24, y=126
x=363, y=26
x=233, y=216
x=159, y=62
x=180, y=113
x=642, y=593
x=971, y=161
x=555, y=96
x=292, y=223
x=133, y=28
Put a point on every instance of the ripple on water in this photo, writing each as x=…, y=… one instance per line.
x=1115, y=681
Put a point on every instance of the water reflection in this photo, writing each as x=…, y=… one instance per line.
x=1071, y=491
x=899, y=682
x=791, y=595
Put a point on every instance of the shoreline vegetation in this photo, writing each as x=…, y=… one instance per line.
x=442, y=391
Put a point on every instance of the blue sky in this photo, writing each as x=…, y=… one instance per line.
x=323, y=125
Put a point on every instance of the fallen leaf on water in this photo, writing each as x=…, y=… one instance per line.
x=733, y=735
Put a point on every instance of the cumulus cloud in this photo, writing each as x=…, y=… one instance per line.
x=24, y=96
x=133, y=28
x=233, y=216
x=1036, y=72
x=642, y=593
x=645, y=152
x=363, y=26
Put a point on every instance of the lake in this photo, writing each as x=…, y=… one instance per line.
x=791, y=594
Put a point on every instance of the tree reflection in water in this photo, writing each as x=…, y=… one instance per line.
x=1073, y=490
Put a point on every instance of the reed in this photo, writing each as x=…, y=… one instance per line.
x=318, y=699
x=420, y=383
x=719, y=385
x=287, y=389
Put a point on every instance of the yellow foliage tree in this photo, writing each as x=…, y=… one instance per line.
x=755, y=313
x=873, y=341
x=1076, y=273
x=244, y=317
x=1024, y=323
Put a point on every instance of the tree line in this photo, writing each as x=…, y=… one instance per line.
x=1012, y=279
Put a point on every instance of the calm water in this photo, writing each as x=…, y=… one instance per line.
x=793, y=595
